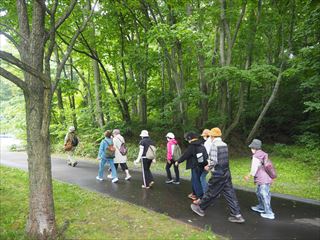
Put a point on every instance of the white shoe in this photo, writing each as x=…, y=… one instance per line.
x=267, y=215
x=128, y=177
x=109, y=176
x=115, y=180
x=99, y=179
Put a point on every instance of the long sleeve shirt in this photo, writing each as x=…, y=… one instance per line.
x=103, y=146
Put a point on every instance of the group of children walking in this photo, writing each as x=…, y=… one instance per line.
x=208, y=153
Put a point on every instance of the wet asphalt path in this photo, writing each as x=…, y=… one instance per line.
x=294, y=219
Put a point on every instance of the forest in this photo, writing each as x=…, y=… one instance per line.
x=251, y=68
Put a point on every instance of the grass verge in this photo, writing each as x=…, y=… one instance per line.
x=90, y=215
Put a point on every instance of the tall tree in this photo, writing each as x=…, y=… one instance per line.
x=35, y=44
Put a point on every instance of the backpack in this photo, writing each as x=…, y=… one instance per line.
x=151, y=152
x=110, y=151
x=176, y=152
x=269, y=168
x=75, y=141
x=68, y=146
x=123, y=148
x=201, y=155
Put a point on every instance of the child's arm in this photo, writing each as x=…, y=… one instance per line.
x=255, y=163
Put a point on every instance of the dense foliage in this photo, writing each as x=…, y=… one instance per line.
x=182, y=65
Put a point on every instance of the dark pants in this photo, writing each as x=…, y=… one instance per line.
x=221, y=183
x=195, y=181
x=146, y=173
x=122, y=165
x=176, y=170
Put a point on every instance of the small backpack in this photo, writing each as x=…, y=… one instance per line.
x=151, y=152
x=176, y=152
x=110, y=151
x=123, y=148
x=75, y=141
x=201, y=155
x=269, y=168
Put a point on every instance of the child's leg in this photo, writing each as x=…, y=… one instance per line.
x=260, y=198
x=266, y=198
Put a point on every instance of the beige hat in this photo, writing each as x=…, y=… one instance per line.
x=205, y=133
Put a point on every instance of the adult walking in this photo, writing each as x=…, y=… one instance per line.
x=106, y=155
x=70, y=144
x=220, y=181
x=207, y=141
x=195, y=146
x=146, y=162
x=120, y=154
x=172, y=143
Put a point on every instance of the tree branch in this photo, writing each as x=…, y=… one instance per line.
x=8, y=36
x=23, y=18
x=243, y=10
x=70, y=47
x=14, y=79
x=75, y=49
x=24, y=67
x=66, y=14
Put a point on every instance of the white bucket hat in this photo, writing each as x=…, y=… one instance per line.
x=144, y=133
x=170, y=135
x=72, y=129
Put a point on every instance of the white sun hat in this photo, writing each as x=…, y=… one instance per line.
x=144, y=133
x=170, y=135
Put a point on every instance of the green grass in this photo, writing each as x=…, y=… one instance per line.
x=90, y=215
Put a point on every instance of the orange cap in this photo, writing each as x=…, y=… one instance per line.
x=215, y=132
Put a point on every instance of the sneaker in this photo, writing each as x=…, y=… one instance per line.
x=115, y=180
x=192, y=196
x=236, y=219
x=197, y=210
x=151, y=183
x=99, y=179
x=69, y=163
x=256, y=209
x=169, y=181
x=143, y=186
x=176, y=182
x=267, y=215
x=109, y=176
x=74, y=164
x=128, y=177
x=197, y=201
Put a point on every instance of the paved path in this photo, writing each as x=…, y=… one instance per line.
x=294, y=220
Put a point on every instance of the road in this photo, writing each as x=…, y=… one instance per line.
x=294, y=219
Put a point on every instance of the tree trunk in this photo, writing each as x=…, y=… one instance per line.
x=266, y=107
x=41, y=220
x=60, y=105
x=203, y=85
x=97, y=90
